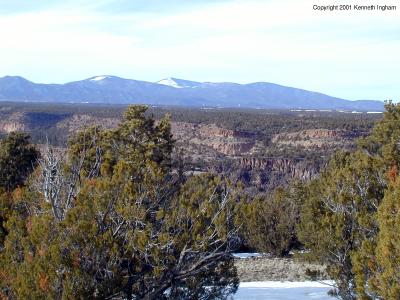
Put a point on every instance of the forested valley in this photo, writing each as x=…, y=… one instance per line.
x=150, y=203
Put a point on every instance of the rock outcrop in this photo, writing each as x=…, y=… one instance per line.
x=12, y=123
x=275, y=171
x=234, y=149
x=315, y=134
x=315, y=138
x=224, y=141
x=215, y=131
x=77, y=122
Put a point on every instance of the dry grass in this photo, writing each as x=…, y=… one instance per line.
x=275, y=269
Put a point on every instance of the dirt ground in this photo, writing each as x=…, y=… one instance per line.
x=275, y=269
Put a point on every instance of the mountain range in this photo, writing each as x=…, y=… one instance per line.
x=173, y=91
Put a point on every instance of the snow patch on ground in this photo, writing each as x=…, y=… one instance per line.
x=247, y=255
x=287, y=284
x=284, y=290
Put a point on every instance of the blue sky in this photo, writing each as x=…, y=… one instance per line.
x=353, y=55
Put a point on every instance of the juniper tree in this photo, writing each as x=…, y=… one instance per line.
x=340, y=220
x=17, y=160
x=271, y=220
x=133, y=228
x=386, y=276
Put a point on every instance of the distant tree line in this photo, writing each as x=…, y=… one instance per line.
x=263, y=123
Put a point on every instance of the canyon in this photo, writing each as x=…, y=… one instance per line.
x=208, y=147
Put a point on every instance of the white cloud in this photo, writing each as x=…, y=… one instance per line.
x=350, y=55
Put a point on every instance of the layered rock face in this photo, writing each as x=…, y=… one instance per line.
x=315, y=138
x=245, y=152
x=234, y=149
x=7, y=127
x=208, y=147
x=224, y=141
x=263, y=169
x=214, y=130
x=12, y=123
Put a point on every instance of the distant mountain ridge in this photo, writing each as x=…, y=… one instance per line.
x=173, y=91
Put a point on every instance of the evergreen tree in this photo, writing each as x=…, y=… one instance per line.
x=386, y=279
x=271, y=221
x=17, y=160
x=115, y=221
x=340, y=219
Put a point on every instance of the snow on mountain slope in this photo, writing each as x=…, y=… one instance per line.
x=179, y=83
x=170, y=82
x=174, y=91
x=100, y=78
x=97, y=78
x=284, y=290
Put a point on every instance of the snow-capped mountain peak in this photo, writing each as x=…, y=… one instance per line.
x=174, y=91
x=99, y=78
x=179, y=83
x=170, y=82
